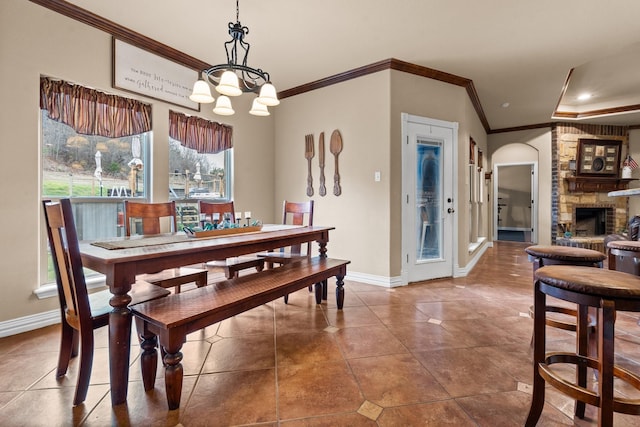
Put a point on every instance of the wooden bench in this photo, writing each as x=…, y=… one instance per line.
x=170, y=319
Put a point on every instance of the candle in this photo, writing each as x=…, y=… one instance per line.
x=247, y=214
x=216, y=216
x=238, y=215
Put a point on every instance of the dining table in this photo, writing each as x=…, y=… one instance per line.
x=122, y=259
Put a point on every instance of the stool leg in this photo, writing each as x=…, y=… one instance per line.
x=606, y=320
x=581, y=350
x=539, y=337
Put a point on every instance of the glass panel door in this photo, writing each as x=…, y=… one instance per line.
x=429, y=200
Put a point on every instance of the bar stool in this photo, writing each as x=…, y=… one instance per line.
x=542, y=255
x=624, y=255
x=606, y=291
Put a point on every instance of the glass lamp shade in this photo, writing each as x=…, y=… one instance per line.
x=201, y=93
x=229, y=84
x=258, y=109
x=268, y=95
x=223, y=106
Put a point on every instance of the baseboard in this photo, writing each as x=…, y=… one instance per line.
x=463, y=272
x=370, y=279
x=29, y=323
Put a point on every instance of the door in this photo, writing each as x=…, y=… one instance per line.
x=515, y=202
x=428, y=233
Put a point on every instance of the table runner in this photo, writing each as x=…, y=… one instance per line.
x=165, y=239
x=141, y=242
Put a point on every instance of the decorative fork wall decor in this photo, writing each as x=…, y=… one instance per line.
x=308, y=154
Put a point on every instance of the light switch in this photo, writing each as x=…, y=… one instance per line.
x=376, y=176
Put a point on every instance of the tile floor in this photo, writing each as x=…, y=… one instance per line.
x=444, y=352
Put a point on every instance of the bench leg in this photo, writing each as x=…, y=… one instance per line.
x=173, y=374
x=149, y=356
x=318, y=287
x=325, y=289
x=340, y=291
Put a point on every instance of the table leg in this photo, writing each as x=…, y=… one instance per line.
x=149, y=356
x=119, y=346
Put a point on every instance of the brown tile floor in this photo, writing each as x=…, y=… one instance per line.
x=445, y=352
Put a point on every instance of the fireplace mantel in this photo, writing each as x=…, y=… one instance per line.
x=597, y=184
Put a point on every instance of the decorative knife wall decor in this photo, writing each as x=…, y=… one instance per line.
x=322, y=190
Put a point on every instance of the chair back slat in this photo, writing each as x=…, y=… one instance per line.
x=67, y=263
x=150, y=214
x=294, y=213
x=209, y=208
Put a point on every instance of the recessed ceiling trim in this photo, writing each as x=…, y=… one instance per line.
x=596, y=113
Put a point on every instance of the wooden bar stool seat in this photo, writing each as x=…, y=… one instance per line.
x=624, y=255
x=543, y=255
x=605, y=291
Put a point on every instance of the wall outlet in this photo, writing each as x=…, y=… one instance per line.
x=376, y=176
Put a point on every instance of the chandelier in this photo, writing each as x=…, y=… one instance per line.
x=235, y=77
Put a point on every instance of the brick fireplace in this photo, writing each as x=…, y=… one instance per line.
x=588, y=214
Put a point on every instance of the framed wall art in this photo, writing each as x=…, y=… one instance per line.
x=139, y=71
x=598, y=157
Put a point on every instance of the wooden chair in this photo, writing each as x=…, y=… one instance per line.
x=151, y=215
x=293, y=213
x=80, y=312
x=231, y=266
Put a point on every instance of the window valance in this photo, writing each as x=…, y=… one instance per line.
x=200, y=134
x=91, y=112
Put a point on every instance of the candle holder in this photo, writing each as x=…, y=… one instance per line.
x=247, y=216
x=238, y=218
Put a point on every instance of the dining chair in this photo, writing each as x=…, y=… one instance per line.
x=151, y=214
x=80, y=312
x=231, y=266
x=293, y=213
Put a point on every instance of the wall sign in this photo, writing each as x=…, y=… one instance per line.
x=139, y=71
x=598, y=157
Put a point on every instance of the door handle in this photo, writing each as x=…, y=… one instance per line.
x=450, y=210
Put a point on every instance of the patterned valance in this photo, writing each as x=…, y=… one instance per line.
x=91, y=112
x=200, y=134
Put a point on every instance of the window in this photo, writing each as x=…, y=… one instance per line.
x=196, y=175
x=75, y=165
x=199, y=158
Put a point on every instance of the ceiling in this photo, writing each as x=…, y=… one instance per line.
x=515, y=52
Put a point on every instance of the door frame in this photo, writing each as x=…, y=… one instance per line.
x=408, y=186
x=534, y=197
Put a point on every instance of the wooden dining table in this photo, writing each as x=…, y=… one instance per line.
x=121, y=259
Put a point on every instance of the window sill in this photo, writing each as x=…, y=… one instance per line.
x=49, y=290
